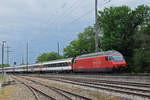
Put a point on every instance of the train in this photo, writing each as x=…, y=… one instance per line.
x=106, y=61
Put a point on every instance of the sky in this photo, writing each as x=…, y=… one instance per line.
x=43, y=23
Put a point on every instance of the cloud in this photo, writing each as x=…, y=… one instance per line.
x=4, y=36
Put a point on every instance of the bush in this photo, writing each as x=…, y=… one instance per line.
x=142, y=60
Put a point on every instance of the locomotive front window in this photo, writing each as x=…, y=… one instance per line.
x=117, y=58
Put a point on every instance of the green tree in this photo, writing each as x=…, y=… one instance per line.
x=119, y=25
x=84, y=43
x=48, y=56
x=71, y=50
x=5, y=65
x=114, y=22
x=142, y=51
x=22, y=63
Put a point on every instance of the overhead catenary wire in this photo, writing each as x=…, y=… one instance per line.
x=66, y=17
x=57, y=20
x=80, y=17
x=69, y=9
x=74, y=6
x=84, y=15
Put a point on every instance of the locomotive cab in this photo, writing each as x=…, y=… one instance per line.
x=117, y=61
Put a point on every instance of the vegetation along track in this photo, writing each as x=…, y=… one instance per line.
x=135, y=89
x=65, y=95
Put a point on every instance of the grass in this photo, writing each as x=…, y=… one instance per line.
x=0, y=76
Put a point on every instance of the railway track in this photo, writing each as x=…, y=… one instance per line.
x=119, y=77
x=65, y=95
x=145, y=85
x=36, y=92
x=33, y=90
x=135, y=89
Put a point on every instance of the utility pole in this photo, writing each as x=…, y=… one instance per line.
x=58, y=47
x=22, y=60
x=96, y=26
x=27, y=57
x=3, y=42
x=8, y=54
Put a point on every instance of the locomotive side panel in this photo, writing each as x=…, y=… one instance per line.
x=91, y=64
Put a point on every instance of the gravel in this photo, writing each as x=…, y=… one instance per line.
x=16, y=92
x=95, y=95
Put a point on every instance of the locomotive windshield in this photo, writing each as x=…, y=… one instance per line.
x=117, y=58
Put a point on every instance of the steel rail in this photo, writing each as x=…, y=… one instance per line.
x=34, y=89
x=30, y=88
x=55, y=88
x=104, y=81
x=97, y=87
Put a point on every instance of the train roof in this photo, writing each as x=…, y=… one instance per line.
x=58, y=60
x=110, y=52
x=40, y=63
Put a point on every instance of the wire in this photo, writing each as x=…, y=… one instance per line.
x=80, y=17
x=70, y=14
x=63, y=14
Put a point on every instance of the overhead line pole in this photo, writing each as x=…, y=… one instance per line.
x=3, y=42
x=58, y=47
x=22, y=60
x=8, y=54
x=96, y=27
x=27, y=57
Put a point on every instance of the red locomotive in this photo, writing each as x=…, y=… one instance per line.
x=99, y=62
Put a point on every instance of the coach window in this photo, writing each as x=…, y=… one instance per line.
x=62, y=64
x=65, y=64
x=107, y=58
x=50, y=65
x=57, y=64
